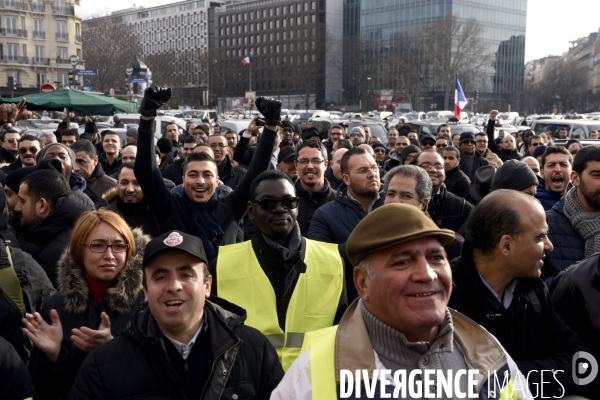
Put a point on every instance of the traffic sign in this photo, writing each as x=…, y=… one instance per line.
x=129, y=71
x=86, y=72
x=47, y=87
x=74, y=60
x=139, y=80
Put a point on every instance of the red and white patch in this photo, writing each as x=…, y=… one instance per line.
x=174, y=239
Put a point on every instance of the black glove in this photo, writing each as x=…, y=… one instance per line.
x=154, y=98
x=271, y=109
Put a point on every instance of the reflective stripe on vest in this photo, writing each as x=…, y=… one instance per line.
x=312, y=306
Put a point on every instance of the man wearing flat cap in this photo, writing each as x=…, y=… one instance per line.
x=181, y=345
x=401, y=321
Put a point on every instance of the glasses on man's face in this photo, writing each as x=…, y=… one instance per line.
x=536, y=144
x=481, y=141
x=428, y=166
x=428, y=144
x=440, y=145
x=101, y=247
x=379, y=151
x=289, y=203
x=314, y=161
x=24, y=150
x=12, y=140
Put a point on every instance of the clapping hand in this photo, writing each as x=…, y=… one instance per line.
x=44, y=336
x=88, y=339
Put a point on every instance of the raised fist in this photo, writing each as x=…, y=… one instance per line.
x=154, y=98
x=271, y=109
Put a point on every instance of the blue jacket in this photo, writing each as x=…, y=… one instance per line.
x=334, y=222
x=569, y=246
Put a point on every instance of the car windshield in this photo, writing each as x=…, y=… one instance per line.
x=432, y=115
x=412, y=116
x=306, y=115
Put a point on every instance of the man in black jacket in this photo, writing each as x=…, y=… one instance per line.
x=110, y=158
x=497, y=284
x=195, y=208
x=311, y=187
x=181, y=345
x=470, y=160
x=447, y=210
x=10, y=146
x=509, y=145
x=457, y=182
x=174, y=171
x=231, y=175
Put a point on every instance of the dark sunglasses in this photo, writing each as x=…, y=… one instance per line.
x=23, y=150
x=288, y=203
x=12, y=140
x=441, y=145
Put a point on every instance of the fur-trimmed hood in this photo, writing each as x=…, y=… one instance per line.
x=121, y=297
x=111, y=195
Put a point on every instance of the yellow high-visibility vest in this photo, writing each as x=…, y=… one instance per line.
x=312, y=306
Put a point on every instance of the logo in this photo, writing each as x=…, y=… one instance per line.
x=174, y=239
x=584, y=363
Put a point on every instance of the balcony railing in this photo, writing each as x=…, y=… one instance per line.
x=14, y=60
x=38, y=7
x=60, y=60
x=78, y=39
x=13, y=5
x=63, y=10
x=39, y=35
x=41, y=61
x=13, y=32
x=64, y=36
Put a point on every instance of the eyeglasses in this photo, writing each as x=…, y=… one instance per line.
x=428, y=144
x=101, y=247
x=355, y=135
x=289, y=203
x=24, y=150
x=315, y=161
x=536, y=144
x=441, y=145
x=379, y=151
x=11, y=140
x=481, y=141
x=428, y=166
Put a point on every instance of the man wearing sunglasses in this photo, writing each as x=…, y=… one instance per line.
x=481, y=147
x=29, y=146
x=288, y=285
x=10, y=147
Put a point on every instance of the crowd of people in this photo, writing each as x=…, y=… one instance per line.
x=214, y=264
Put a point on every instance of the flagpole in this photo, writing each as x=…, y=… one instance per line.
x=250, y=75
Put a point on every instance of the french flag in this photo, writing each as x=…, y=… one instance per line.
x=246, y=61
x=460, y=101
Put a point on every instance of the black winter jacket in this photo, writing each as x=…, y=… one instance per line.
x=503, y=154
x=174, y=172
x=309, y=203
x=576, y=295
x=477, y=163
x=15, y=381
x=169, y=209
x=7, y=169
x=243, y=365
x=569, y=246
x=457, y=182
x=333, y=182
x=47, y=239
x=137, y=215
x=108, y=168
x=6, y=157
x=449, y=211
x=533, y=333
x=231, y=175
x=75, y=307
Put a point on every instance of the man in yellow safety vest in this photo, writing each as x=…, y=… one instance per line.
x=289, y=285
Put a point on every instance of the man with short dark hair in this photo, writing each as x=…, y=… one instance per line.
x=281, y=261
x=335, y=133
x=172, y=132
x=210, y=352
x=496, y=282
x=456, y=181
x=534, y=142
x=110, y=158
x=48, y=210
x=29, y=146
x=231, y=175
x=556, y=170
x=563, y=133
x=392, y=135
x=174, y=171
x=69, y=137
x=87, y=165
x=286, y=162
x=312, y=189
x=60, y=129
x=444, y=131
x=441, y=143
x=481, y=146
x=10, y=147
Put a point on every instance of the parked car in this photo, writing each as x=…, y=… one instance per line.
x=427, y=127
x=160, y=123
x=577, y=128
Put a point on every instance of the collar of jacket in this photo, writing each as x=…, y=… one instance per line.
x=330, y=177
x=8, y=156
x=121, y=296
x=104, y=160
x=226, y=168
x=452, y=171
x=324, y=192
x=353, y=349
x=98, y=172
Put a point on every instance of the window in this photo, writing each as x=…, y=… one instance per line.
x=61, y=30
x=38, y=28
x=14, y=75
x=64, y=80
x=79, y=53
x=62, y=52
x=39, y=53
x=13, y=51
x=11, y=25
x=41, y=78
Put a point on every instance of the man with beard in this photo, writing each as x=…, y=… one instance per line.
x=355, y=198
x=287, y=134
x=357, y=136
x=392, y=135
x=110, y=158
x=231, y=175
x=394, y=156
x=457, y=182
x=276, y=264
x=556, y=176
x=482, y=148
x=131, y=137
x=333, y=173
x=470, y=160
x=312, y=189
x=286, y=162
x=447, y=210
x=174, y=171
x=509, y=144
x=69, y=137
x=232, y=139
x=172, y=132
x=573, y=220
x=87, y=165
x=128, y=200
x=335, y=134
x=402, y=127
x=28, y=148
x=48, y=211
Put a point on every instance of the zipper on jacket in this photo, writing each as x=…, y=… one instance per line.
x=212, y=368
x=171, y=370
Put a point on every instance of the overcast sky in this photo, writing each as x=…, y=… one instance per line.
x=551, y=24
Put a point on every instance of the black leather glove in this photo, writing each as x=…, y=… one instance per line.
x=271, y=109
x=154, y=98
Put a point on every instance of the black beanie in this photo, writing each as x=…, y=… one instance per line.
x=514, y=175
x=165, y=145
x=411, y=148
x=14, y=178
x=90, y=127
x=204, y=128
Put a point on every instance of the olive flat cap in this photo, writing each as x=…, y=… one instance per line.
x=390, y=225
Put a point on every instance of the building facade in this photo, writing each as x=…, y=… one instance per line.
x=294, y=48
x=415, y=49
x=37, y=39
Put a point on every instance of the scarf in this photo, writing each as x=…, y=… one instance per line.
x=586, y=223
x=291, y=251
x=97, y=287
x=206, y=226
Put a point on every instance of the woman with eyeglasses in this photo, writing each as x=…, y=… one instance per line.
x=100, y=282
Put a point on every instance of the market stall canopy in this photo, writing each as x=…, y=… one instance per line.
x=80, y=103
